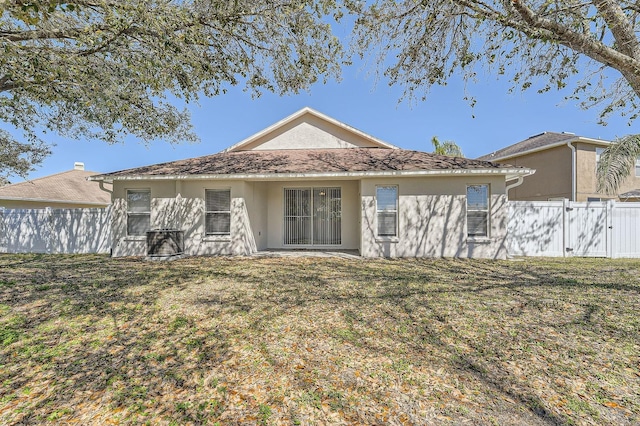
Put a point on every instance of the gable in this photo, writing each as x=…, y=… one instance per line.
x=308, y=129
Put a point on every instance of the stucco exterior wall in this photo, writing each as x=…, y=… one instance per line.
x=586, y=183
x=553, y=175
x=309, y=132
x=432, y=219
x=552, y=178
x=180, y=205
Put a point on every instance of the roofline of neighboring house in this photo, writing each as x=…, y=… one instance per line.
x=45, y=200
x=299, y=114
x=510, y=174
x=553, y=145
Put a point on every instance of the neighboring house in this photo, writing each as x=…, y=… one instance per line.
x=565, y=167
x=312, y=182
x=67, y=190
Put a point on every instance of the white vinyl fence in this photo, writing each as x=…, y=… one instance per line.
x=55, y=230
x=564, y=228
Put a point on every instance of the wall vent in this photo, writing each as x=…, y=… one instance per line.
x=165, y=242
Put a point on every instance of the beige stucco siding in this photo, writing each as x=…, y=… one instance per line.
x=586, y=183
x=256, y=194
x=552, y=178
x=432, y=219
x=309, y=132
x=180, y=205
x=431, y=216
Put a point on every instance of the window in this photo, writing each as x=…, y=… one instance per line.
x=638, y=167
x=218, y=211
x=387, y=210
x=478, y=210
x=138, y=211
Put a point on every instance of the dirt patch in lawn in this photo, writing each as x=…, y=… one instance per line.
x=93, y=340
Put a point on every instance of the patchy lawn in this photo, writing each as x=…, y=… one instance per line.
x=92, y=340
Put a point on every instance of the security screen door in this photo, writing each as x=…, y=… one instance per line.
x=312, y=216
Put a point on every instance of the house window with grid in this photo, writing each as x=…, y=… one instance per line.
x=478, y=210
x=138, y=211
x=387, y=210
x=218, y=212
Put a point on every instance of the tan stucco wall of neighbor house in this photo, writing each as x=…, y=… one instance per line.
x=432, y=219
x=21, y=204
x=552, y=178
x=309, y=132
x=586, y=183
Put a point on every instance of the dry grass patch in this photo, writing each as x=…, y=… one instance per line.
x=92, y=340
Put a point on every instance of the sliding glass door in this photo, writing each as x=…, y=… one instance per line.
x=312, y=216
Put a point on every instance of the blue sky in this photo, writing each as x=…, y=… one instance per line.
x=498, y=119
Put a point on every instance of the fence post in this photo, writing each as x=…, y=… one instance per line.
x=566, y=204
x=611, y=205
x=47, y=224
x=3, y=232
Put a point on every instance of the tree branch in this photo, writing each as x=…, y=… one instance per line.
x=620, y=27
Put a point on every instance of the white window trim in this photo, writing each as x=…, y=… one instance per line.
x=387, y=238
x=226, y=236
x=136, y=237
x=478, y=238
x=638, y=167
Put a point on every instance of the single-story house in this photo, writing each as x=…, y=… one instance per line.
x=65, y=190
x=312, y=182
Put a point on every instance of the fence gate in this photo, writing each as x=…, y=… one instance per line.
x=587, y=227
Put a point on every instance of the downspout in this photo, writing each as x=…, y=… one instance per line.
x=513, y=185
x=101, y=184
x=573, y=170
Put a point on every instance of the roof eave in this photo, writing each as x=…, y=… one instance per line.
x=508, y=172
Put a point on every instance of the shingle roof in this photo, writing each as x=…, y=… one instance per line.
x=539, y=142
x=534, y=142
x=634, y=193
x=69, y=187
x=308, y=161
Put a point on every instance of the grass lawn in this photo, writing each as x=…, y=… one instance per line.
x=91, y=340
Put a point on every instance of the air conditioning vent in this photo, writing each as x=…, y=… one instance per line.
x=165, y=242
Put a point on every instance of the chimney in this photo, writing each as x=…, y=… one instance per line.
x=78, y=166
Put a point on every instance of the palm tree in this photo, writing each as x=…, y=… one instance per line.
x=616, y=163
x=448, y=148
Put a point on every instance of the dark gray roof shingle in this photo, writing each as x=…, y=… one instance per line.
x=534, y=142
x=308, y=161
